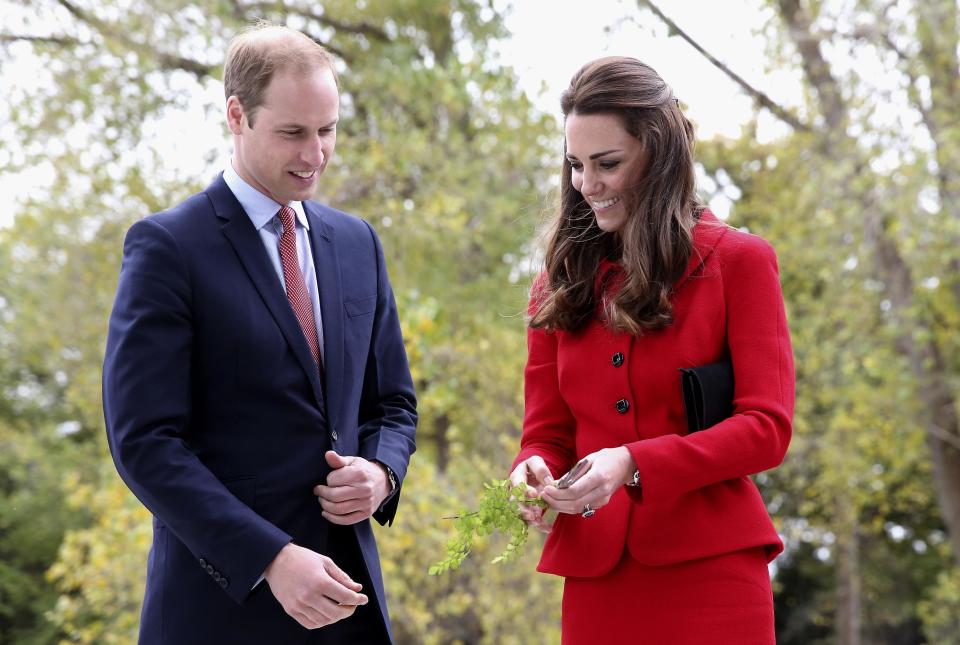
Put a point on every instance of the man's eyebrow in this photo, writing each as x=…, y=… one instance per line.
x=299, y=126
x=596, y=155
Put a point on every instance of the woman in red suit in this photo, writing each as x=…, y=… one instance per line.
x=664, y=539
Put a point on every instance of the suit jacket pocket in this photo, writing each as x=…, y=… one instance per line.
x=244, y=489
x=360, y=306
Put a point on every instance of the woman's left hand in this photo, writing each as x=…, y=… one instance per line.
x=610, y=469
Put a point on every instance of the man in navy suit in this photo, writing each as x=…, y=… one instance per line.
x=256, y=389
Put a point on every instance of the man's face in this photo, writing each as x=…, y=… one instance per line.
x=293, y=134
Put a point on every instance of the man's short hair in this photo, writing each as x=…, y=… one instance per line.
x=259, y=51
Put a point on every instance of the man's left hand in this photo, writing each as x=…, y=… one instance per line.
x=355, y=489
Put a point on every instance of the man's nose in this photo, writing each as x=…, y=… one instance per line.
x=313, y=152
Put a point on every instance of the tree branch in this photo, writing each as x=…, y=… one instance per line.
x=168, y=61
x=243, y=13
x=760, y=97
x=816, y=68
x=364, y=28
x=336, y=51
x=944, y=436
x=56, y=40
x=237, y=10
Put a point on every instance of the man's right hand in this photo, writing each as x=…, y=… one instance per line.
x=311, y=588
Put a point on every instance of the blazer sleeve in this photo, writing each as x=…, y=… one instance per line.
x=548, y=423
x=388, y=405
x=147, y=408
x=755, y=437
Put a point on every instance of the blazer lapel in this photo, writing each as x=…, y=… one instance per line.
x=331, y=306
x=240, y=232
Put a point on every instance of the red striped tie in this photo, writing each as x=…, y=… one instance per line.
x=293, y=278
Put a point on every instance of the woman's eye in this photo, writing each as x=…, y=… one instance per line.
x=609, y=165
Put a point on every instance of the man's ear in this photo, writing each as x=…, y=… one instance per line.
x=235, y=114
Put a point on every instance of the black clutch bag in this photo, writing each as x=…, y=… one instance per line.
x=707, y=394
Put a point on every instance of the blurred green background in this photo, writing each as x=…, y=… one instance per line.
x=440, y=148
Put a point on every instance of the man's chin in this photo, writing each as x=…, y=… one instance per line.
x=299, y=194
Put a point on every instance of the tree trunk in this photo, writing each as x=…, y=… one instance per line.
x=442, y=439
x=848, y=622
x=930, y=373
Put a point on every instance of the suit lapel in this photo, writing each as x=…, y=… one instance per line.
x=327, y=264
x=240, y=232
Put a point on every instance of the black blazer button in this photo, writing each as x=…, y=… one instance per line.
x=203, y=563
x=210, y=569
x=224, y=583
x=622, y=406
x=618, y=359
x=334, y=435
x=216, y=576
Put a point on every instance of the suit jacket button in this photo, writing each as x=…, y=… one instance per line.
x=210, y=569
x=224, y=583
x=622, y=406
x=618, y=359
x=216, y=576
x=334, y=435
x=203, y=563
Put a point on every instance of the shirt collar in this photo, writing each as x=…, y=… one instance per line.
x=258, y=207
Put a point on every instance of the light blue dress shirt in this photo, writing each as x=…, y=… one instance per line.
x=263, y=212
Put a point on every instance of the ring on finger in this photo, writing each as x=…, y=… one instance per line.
x=588, y=512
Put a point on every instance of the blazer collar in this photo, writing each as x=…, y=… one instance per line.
x=707, y=233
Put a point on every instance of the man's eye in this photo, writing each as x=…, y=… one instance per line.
x=290, y=133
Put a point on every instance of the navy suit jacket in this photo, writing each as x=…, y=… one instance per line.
x=217, y=417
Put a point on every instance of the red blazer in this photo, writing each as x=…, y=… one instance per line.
x=696, y=498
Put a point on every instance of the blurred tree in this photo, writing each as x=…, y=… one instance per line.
x=861, y=200
x=438, y=148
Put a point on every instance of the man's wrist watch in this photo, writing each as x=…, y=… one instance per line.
x=391, y=477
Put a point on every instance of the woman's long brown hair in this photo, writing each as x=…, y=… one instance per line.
x=655, y=243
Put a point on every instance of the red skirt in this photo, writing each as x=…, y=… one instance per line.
x=722, y=600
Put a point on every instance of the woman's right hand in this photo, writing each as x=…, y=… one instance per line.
x=533, y=473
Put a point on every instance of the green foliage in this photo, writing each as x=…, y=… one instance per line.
x=498, y=512
x=33, y=520
x=100, y=569
x=941, y=611
x=481, y=604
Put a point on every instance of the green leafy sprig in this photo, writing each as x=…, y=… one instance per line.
x=498, y=510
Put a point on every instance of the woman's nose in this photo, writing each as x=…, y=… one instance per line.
x=589, y=184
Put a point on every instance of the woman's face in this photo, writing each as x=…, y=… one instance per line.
x=606, y=163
